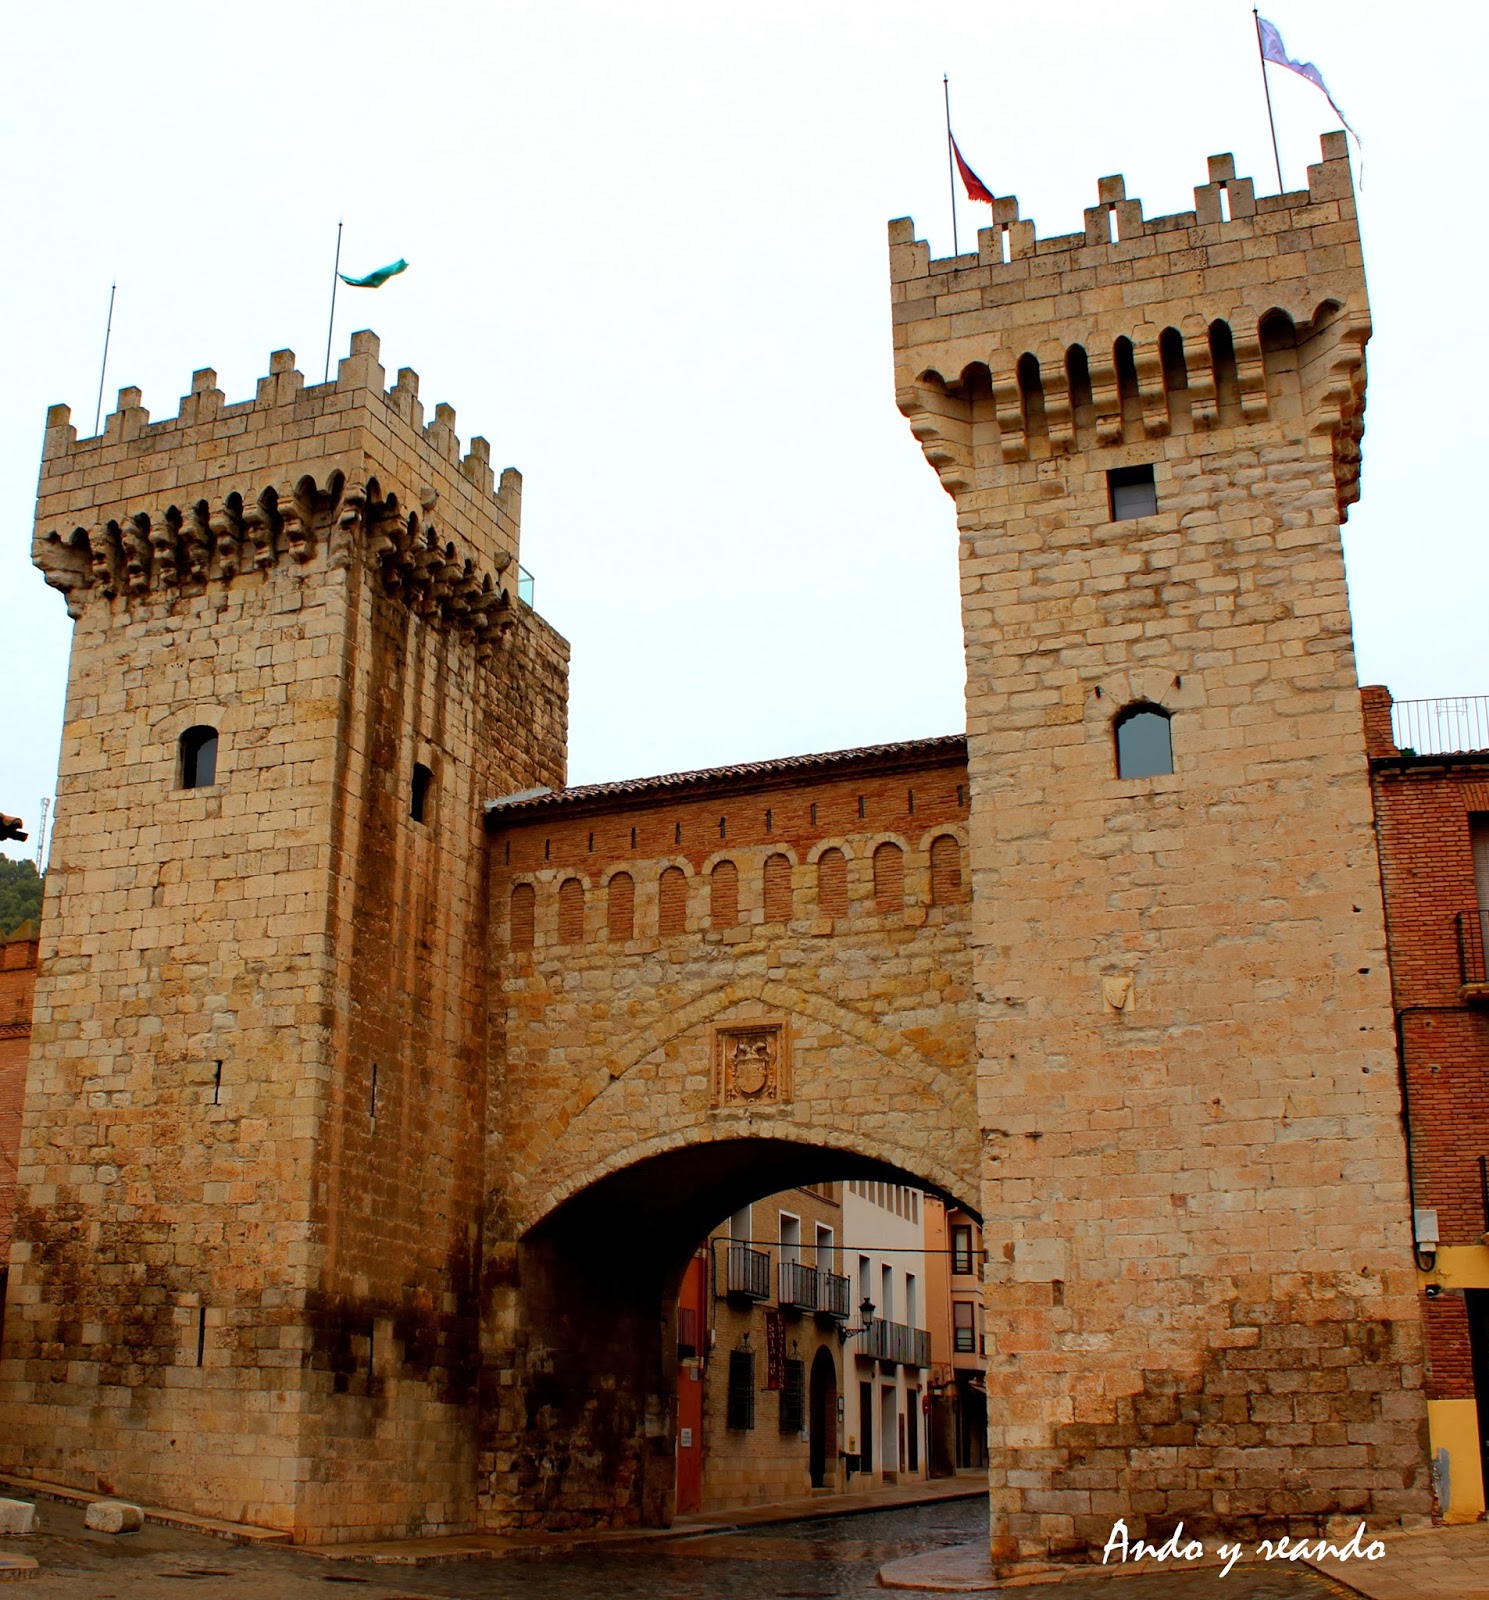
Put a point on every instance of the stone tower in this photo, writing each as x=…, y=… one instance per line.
x=1200, y=1298
x=252, y=1176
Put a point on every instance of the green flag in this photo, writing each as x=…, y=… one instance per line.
x=375, y=280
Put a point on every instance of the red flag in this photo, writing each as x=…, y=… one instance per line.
x=976, y=188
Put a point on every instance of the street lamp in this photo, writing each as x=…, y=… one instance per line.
x=865, y=1321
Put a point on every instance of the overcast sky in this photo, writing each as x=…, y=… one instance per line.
x=647, y=247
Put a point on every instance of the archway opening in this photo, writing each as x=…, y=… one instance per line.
x=730, y=1323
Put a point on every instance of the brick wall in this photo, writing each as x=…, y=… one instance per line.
x=1422, y=811
x=17, y=988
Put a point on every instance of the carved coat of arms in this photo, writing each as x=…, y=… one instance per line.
x=750, y=1066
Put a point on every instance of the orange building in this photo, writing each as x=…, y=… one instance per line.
x=958, y=1395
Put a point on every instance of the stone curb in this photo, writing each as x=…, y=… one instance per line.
x=232, y=1532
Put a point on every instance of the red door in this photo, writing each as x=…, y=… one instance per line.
x=690, y=1325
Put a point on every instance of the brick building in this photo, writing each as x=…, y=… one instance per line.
x=760, y=1316
x=17, y=989
x=1429, y=769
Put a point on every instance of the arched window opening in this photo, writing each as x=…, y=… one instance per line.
x=1128, y=395
x=832, y=883
x=1078, y=377
x=672, y=902
x=1171, y=355
x=723, y=895
x=524, y=916
x=571, y=912
x=778, y=906
x=1278, y=338
x=1145, y=746
x=421, y=793
x=620, y=908
x=946, y=870
x=1227, y=379
x=198, y=758
x=1031, y=396
x=889, y=879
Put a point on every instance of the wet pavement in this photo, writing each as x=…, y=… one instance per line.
x=833, y=1558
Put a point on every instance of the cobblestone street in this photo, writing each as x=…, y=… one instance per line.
x=831, y=1559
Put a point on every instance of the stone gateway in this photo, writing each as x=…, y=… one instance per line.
x=381, y=1086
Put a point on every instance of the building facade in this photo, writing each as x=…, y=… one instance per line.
x=18, y=958
x=958, y=1391
x=769, y=1301
x=1429, y=770
x=887, y=1396
x=409, y=1079
x=1185, y=1057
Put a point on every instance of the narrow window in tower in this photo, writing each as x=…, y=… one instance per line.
x=1145, y=747
x=217, y=1086
x=1132, y=492
x=1224, y=198
x=198, y=762
x=421, y=793
x=201, y=1334
x=372, y=1096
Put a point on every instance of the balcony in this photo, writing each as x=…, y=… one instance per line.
x=1455, y=725
x=896, y=1344
x=1473, y=975
x=798, y=1287
x=834, y=1301
x=747, y=1273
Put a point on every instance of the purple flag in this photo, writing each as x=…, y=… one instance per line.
x=1275, y=51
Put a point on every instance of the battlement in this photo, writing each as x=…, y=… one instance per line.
x=1140, y=327
x=156, y=508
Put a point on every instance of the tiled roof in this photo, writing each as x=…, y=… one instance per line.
x=747, y=775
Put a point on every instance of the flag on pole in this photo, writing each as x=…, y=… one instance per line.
x=976, y=188
x=375, y=280
x=1275, y=51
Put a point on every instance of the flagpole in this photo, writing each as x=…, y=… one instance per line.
x=1261, y=56
x=108, y=329
x=956, y=249
x=331, y=325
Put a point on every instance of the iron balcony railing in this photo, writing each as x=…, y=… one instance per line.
x=1473, y=937
x=894, y=1341
x=834, y=1301
x=747, y=1272
x=1453, y=725
x=798, y=1286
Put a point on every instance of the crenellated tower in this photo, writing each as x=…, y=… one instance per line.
x=1200, y=1299
x=246, y=1277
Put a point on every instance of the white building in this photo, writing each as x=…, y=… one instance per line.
x=886, y=1368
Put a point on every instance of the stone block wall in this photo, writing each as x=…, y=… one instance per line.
x=246, y=1269
x=747, y=1011
x=1203, y=1304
